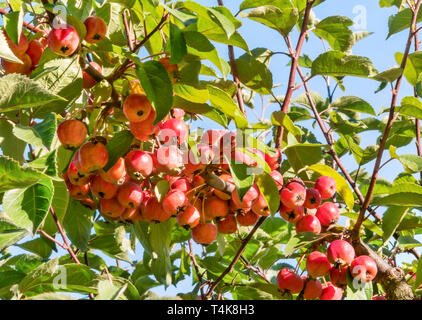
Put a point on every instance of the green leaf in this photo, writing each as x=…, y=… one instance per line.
x=118, y=146
x=243, y=178
x=280, y=118
x=300, y=240
x=401, y=21
x=413, y=67
x=161, y=189
x=391, y=220
x=191, y=93
x=254, y=74
x=177, y=45
x=337, y=63
x=223, y=102
x=342, y=187
x=200, y=46
x=5, y=52
x=17, y=92
x=9, y=144
x=368, y=224
x=40, y=135
x=40, y=246
x=9, y=233
x=28, y=207
x=13, y=25
x=50, y=296
x=269, y=190
x=12, y=175
x=249, y=4
x=389, y=75
x=157, y=85
x=358, y=290
x=78, y=224
x=50, y=277
x=60, y=203
x=407, y=242
x=335, y=30
x=412, y=107
x=281, y=19
x=354, y=104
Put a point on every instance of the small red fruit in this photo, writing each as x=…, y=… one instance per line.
x=103, y=189
x=317, y=264
x=116, y=173
x=260, y=206
x=35, y=51
x=328, y=214
x=313, y=289
x=313, y=199
x=189, y=217
x=247, y=219
x=308, y=223
x=215, y=207
x=139, y=164
x=168, y=159
x=278, y=178
x=92, y=156
x=181, y=184
x=63, y=41
x=364, y=267
x=293, y=195
x=331, y=292
x=130, y=195
x=227, y=225
x=174, y=202
x=111, y=208
x=96, y=29
x=21, y=68
x=173, y=129
x=143, y=130
x=289, y=281
x=340, y=253
x=71, y=133
x=204, y=233
x=20, y=48
x=338, y=276
x=137, y=107
x=291, y=215
x=326, y=186
x=76, y=177
x=78, y=192
x=153, y=211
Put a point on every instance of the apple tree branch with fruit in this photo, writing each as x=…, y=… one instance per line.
x=103, y=156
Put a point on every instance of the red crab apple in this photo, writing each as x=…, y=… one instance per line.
x=144, y=129
x=63, y=41
x=308, y=223
x=215, y=207
x=328, y=213
x=71, y=133
x=260, y=206
x=313, y=199
x=137, y=107
x=174, y=202
x=172, y=129
x=189, y=217
x=293, y=195
x=139, y=164
x=288, y=280
x=317, y=264
x=96, y=29
x=227, y=225
x=130, y=195
x=204, y=233
x=338, y=276
x=35, y=51
x=331, y=292
x=291, y=215
x=92, y=156
x=364, y=267
x=116, y=173
x=340, y=253
x=326, y=186
x=153, y=211
x=103, y=189
x=247, y=219
x=313, y=289
x=111, y=208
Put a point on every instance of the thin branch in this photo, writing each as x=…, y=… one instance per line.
x=127, y=30
x=196, y=267
x=391, y=117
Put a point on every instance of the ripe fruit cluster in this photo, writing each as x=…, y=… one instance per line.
x=337, y=264
x=63, y=40
x=29, y=52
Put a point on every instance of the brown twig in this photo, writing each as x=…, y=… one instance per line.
x=196, y=267
x=127, y=30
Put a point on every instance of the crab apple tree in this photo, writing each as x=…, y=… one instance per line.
x=144, y=142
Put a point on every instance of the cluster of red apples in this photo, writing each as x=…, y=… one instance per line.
x=63, y=40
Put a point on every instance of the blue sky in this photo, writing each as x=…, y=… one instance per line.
x=375, y=47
